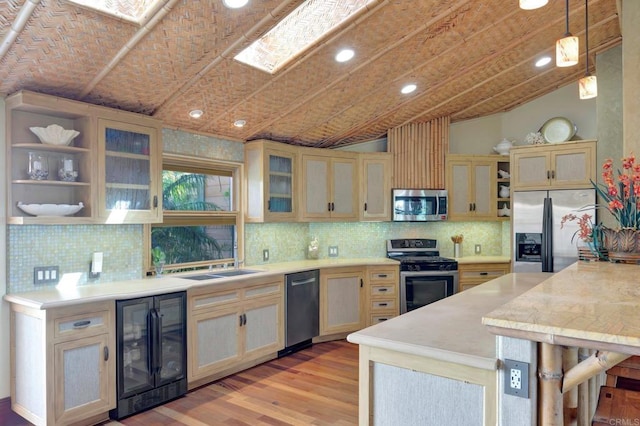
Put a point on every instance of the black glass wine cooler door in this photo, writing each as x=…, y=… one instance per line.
x=151, y=352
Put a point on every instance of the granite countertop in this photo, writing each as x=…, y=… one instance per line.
x=451, y=329
x=69, y=294
x=589, y=304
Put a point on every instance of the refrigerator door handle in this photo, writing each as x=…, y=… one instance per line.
x=547, y=236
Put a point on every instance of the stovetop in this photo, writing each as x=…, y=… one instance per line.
x=419, y=254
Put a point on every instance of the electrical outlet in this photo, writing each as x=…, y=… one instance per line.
x=478, y=248
x=516, y=378
x=265, y=255
x=45, y=275
x=333, y=251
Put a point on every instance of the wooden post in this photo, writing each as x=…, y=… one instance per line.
x=550, y=375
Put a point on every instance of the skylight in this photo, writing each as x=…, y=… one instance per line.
x=308, y=23
x=129, y=10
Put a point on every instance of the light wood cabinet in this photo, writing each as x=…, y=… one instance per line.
x=472, y=187
x=375, y=186
x=63, y=363
x=329, y=186
x=117, y=157
x=382, y=293
x=271, y=172
x=472, y=274
x=341, y=300
x=567, y=165
x=232, y=328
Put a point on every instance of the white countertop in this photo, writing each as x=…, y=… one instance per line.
x=65, y=295
x=482, y=259
x=451, y=329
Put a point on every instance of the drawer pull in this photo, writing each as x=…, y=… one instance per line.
x=382, y=290
x=484, y=273
x=382, y=275
x=382, y=304
x=382, y=319
x=106, y=353
x=82, y=324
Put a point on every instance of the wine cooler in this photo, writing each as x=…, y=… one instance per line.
x=151, y=352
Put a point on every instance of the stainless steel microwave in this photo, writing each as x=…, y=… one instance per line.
x=419, y=205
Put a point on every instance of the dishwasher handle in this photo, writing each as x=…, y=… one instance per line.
x=303, y=282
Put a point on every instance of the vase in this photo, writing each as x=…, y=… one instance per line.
x=622, y=244
x=159, y=268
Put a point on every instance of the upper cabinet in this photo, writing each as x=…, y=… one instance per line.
x=110, y=172
x=375, y=186
x=329, y=185
x=471, y=184
x=565, y=165
x=271, y=173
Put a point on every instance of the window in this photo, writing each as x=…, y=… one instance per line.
x=202, y=223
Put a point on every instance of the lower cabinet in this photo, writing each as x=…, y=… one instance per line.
x=472, y=274
x=233, y=327
x=382, y=293
x=63, y=363
x=341, y=300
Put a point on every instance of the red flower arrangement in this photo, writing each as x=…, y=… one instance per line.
x=622, y=193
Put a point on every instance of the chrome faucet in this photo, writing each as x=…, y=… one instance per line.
x=237, y=263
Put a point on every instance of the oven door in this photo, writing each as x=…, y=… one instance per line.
x=418, y=289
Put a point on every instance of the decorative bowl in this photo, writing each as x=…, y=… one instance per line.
x=54, y=134
x=50, y=209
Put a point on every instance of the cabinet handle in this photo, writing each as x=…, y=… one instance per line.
x=548, y=174
x=382, y=290
x=484, y=273
x=82, y=324
x=365, y=207
x=382, y=275
x=240, y=318
x=553, y=174
x=105, y=352
x=329, y=206
x=382, y=304
x=245, y=319
x=361, y=283
x=474, y=207
x=155, y=201
x=333, y=207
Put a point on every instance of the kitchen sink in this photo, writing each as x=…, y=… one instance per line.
x=221, y=274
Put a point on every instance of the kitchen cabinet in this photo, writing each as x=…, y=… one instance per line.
x=382, y=293
x=472, y=187
x=341, y=300
x=231, y=329
x=63, y=363
x=130, y=170
x=272, y=189
x=117, y=157
x=472, y=274
x=566, y=165
x=375, y=186
x=329, y=186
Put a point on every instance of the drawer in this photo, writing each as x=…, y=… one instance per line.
x=212, y=300
x=376, y=319
x=383, y=275
x=478, y=277
x=383, y=304
x=383, y=290
x=82, y=325
x=274, y=289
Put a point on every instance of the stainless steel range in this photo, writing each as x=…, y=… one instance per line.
x=425, y=277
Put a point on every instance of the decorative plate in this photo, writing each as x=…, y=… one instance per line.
x=558, y=129
x=50, y=209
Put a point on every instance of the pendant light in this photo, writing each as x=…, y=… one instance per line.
x=567, y=47
x=588, y=84
x=532, y=4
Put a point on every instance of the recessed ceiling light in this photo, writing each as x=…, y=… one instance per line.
x=240, y=123
x=532, y=4
x=543, y=61
x=344, y=55
x=196, y=113
x=408, y=88
x=235, y=4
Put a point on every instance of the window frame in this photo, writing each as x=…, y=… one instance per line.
x=192, y=164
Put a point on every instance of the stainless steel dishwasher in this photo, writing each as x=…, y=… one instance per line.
x=302, y=312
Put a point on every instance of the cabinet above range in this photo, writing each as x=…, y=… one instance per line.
x=108, y=173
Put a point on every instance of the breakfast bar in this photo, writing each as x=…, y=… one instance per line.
x=590, y=305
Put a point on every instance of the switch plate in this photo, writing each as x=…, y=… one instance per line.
x=333, y=251
x=478, y=248
x=516, y=378
x=45, y=275
x=265, y=255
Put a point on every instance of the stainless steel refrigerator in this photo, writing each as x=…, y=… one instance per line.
x=539, y=244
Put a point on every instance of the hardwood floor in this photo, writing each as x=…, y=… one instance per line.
x=316, y=386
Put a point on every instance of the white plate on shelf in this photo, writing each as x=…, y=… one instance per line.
x=50, y=209
x=558, y=129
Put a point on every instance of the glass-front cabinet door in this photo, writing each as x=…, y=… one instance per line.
x=129, y=166
x=280, y=183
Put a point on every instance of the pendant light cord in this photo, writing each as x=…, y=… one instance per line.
x=586, y=31
x=567, y=33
